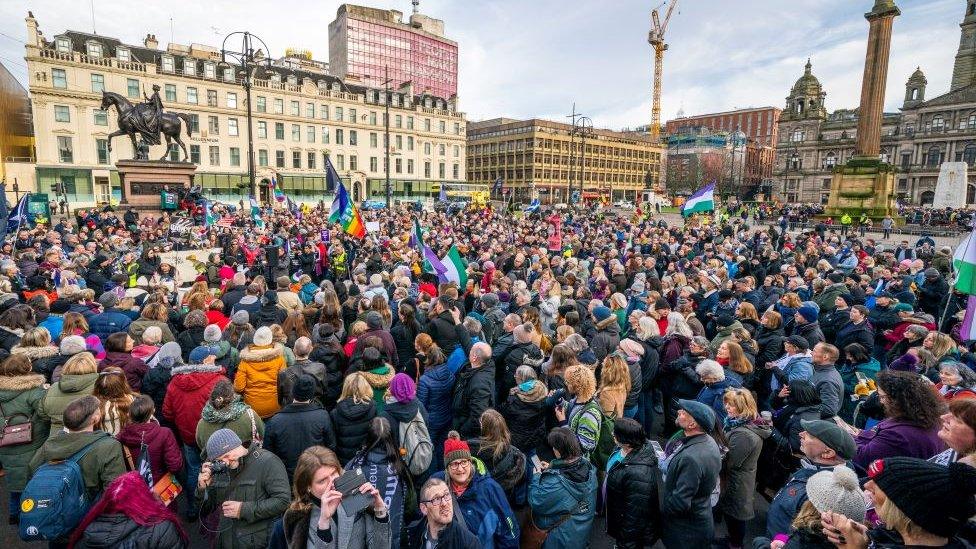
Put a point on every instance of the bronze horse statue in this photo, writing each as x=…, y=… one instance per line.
x=170, y=123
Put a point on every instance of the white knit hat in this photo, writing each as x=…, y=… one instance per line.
x=262, y=337
x=837, y=491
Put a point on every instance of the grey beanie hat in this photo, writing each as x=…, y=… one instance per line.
x=837, y=490
x=108, y=299
x=374, y=320
x=212, y=333
x=222, y=441
x=73, y=345
x=240, y=317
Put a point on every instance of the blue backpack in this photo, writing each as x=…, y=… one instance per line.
x=54, y=500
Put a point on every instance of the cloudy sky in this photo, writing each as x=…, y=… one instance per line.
x=524, y=58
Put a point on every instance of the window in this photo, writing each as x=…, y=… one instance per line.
x=373, y=164
x=101, y=117
x=457, y=129
x=456, y=171
x=830, y=160
x=189, y=67
x=427, y=148
x=339, y=139
x=338, y=113
x=262, y=157
x=969, y=154
x=372, y=139
x=934, y=157
x=409, y=122
x=441, y=150
x=426, y=124
x=938, y=123
x=214, y=155
x=61, y=113
x=195, y=154
x=296, y=159
x=279, y=130
x=398, y=165
x=228, y=75
x=310, y=110
x=209, y=70
x=170, y=92
x=442, y=126
x=235, y=156
x=409, y=142
x=340, y=162
x=372, y=118
x=65, y=151
x=232, y=129
x=352, y=115
x=353, y=162
x=353, y=137
x=63, y=45
x=262, y=104
x=262, y=129
x=399, y=142
x=324, y=112
x=325, y=135
x=132, y=88
x=295, y=108
x=279, y=159
x=98, y=83
x=398, y=121
x=797, y=135
x=191, y=96
x=427, y=170
x=311, y=159
x=231, y=100
x=906, y=160
x=59, y=79
x=167, y=65
x=310, y=134
x=410, y=165
x=440, y=170
x=213, y=125
x=101, y=151
x=123, y=54
x=457, y=151
x=296, y=132
x=278, y=106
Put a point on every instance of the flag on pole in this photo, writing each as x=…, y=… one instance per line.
x=343, y=211
x=256, y=213
x=209, y=218
x=18, y=216
x=454, y=268
x=436, y=266
x=278, y=193
x=964, y=263
x=498, y=185
x=702, y=201
x=4, y=211
x=967, y=331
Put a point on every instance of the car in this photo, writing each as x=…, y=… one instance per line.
x=372, y=205
x=624, y=205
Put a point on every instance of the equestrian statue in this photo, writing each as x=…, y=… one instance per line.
x=147, y=120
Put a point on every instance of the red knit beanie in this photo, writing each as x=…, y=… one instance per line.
x=455, y=448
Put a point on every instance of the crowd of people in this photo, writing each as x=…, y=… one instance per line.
x=307, y=389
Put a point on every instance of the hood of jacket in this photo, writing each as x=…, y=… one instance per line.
x=254, y=353
x=11, y=386
x=762, y=429
x=577, y=472
x=402, y=411
x=609, y=324
x=220, y=349
x=536, y=392
x=248, y=300
x=192, y=377
x=75, y=383
x=379, y=377
x=34, y=353
x=353, y=412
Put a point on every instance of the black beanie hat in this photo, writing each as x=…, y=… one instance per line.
x=937, y=498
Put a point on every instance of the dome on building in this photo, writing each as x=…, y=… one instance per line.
x=807, y=85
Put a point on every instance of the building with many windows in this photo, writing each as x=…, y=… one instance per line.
x=301, y=116
x=917, y=140
x=540, y=158
x=369, y=43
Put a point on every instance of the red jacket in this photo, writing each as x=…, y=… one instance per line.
x=186, y=394
x=217, y=317
x=164, y=452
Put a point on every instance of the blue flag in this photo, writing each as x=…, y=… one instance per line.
x=18, y=216
x=498, y=185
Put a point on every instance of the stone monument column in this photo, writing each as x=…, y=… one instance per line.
x=871, y=110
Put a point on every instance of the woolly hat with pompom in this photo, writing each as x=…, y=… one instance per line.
x=837, y=490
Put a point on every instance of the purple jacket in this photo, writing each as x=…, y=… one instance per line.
x=892, y=438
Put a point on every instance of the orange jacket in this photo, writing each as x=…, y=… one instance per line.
x=257, y=377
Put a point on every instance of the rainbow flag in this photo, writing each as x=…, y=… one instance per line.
x=278, y=193
x=343, y=211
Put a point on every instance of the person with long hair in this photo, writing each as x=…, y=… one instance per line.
x=745, y=436
x=76, y=325
x=614, y=386
x=129, y=515
x=77, y=380
x=114, y=396
x=738, y=368
x=435, y=391
x=153, y=314
x=956, y=381
x=504, y=462
x=352, y=415
x=225, y=409
x=316, y=508
x=294, y=327
x=580, y=411
x=943, y=349
x=118, y=354
x=958, y=432
x=562, y=495
x=381, y=462
x=404, y=335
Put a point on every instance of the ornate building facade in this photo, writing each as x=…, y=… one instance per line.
x=917, y=140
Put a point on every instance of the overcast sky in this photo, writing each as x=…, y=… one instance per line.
x=525, y=58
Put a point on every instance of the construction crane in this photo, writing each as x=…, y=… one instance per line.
x=656, y=39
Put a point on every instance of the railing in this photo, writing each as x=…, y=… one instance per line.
x=20, y=159
x=59, y=55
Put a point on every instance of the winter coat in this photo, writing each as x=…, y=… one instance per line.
x=138, y=327
x=134, y=368
x=486, y=512
x=109, y=322
x=787, y=502
x=60, y=394
x=712, y=395
x=403, y=412
x=826, y=379
x=389, y=347
x=334, y=362
x=165, y=455
x=799, y=366
x=441, y=329
x=725, y=333
x=633, y=512
x=606, y=339
x=403, y=339
x=351, y=421
x=527, y=354
x=525, y=414
x=770, y=344
x=473, y=394
x=362, y=531
x=564, y=488
x=930, y=295
x=41, y=358
x=787, y=427
x=121, y=531
x=190, y=339
x=261, y=484
x=187, y=393
x=22, y=394
x=237, y=417
x=100, y=466
x=854, y=333
x=810, y=332
x=691, y=474
x=436, y=393
x=257, y=377
x=826, y=298
x=290, y=375
x=895, y=437
x=379, y=379
x=739, y=488
x=295, y=428
x=680, y=381
x=453, y=536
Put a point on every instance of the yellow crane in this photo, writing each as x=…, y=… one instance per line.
x=656, y=39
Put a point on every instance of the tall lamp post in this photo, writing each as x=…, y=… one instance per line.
x=737, y=138
x=246, y=60
x=582, y=127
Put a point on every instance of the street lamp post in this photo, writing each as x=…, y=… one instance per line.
x=582, y=127
x=246, y=59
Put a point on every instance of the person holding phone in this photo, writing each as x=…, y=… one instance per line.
x=317, y=506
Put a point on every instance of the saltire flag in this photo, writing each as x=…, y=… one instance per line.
x=278, y=193
x=436, y=266
x=702, y=201
x=343, y=210
x=256, y=213
x=18, y=216
x=209, y=218
x=533, y=206
x=964, y=263
x=454, y=268
x=497, y=187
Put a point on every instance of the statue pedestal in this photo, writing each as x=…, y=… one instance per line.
x=863, y=185
x=142, y=181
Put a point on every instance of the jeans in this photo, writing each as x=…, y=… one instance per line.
x=645, y=411
x=191, y=456
x=14, y=509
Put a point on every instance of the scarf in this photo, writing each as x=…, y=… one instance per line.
x=730, y=423
x=229, y=413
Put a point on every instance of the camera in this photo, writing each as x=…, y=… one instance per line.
x=218, y=467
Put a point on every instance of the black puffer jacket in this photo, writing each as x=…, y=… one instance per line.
x=525, y=414
x=121, y=531
x=441, y=329
x=403, y=338
x=351, y=421
x=290, y=375
x=770, y=346
x=521, y=354
x=334, y=361
x=295, y=428
x=633, y=514
x=473, y=394
x=190, y=339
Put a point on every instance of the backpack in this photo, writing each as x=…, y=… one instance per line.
x=604, y=442
x=55, y=499
x=415, y=445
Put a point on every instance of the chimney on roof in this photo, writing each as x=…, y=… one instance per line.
x=151, y=42
x=33, y=33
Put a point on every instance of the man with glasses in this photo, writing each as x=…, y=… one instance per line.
x=438, y=527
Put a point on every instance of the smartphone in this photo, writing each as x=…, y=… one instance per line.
x=536, y=464
x=352, y=500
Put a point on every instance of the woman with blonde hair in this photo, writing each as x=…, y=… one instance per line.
x=745, y=437
x=943, y=349
x=614, y=385
x=352, y=415
x=153, y=314
x=76, y=325
x=738, y=368
x=77, y=380
x=581, y=412
x=747, y=315
x=618, y=306
x=115, y=396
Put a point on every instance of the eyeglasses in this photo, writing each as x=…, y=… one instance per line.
x=459, y=464
x=442, y=499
